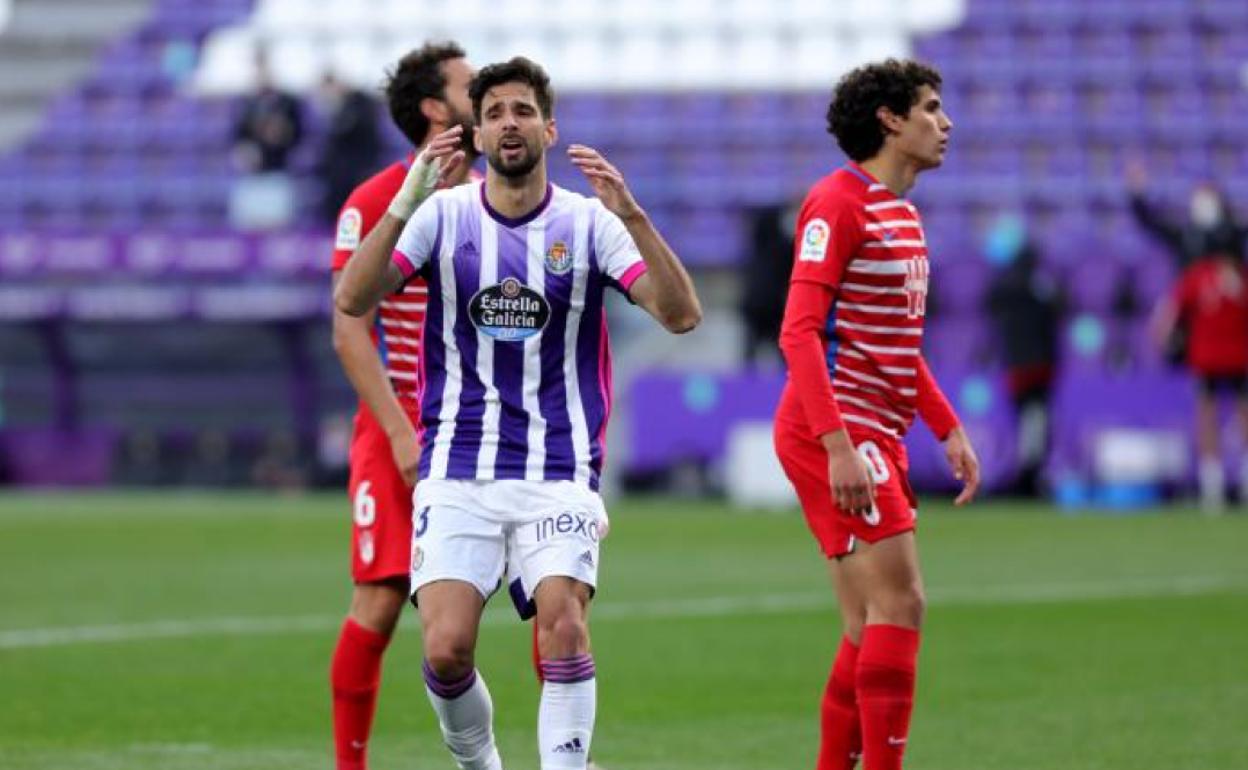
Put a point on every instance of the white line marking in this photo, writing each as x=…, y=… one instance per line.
x=500, y=613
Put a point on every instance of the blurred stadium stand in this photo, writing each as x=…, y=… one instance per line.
x=115, y=181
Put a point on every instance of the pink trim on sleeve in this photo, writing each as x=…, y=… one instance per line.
x=631, y=275
x=404, y=264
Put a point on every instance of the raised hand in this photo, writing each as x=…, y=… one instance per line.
x=606, y=179
x=431, y=168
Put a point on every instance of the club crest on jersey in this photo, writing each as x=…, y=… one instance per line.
x=509, y=311
x=350, y=227
x=916, y=287
x=814, y=241
x=558, y=258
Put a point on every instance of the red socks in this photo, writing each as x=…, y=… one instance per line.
x=841, y=737
x=354, y=676
x=885, y=685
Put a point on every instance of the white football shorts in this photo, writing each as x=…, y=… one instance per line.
x=479, y=532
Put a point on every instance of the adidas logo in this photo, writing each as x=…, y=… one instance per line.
x=571, y=747
x=587, y=558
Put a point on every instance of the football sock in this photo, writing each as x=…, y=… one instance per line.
x=1212, y=484
x=565, y=718
x=885, y=685
x=840, y=731
x=466, y=716
x=354, y=676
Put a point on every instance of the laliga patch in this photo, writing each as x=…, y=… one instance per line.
x=558, y=258
x=815, y=238
x=509, y=311
x=350, y=228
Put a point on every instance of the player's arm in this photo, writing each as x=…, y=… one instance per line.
x=822, y=252
x=936, y=411
x=372, y=273
x=665, y=289
x=364, y=369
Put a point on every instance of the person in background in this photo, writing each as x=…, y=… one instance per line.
x=1211, y=302
x=268, y=127
x=352, y=142
x=765, y=280
x=269, y=124
x=1025, y=307
x=426, y=94
x=1211, y=227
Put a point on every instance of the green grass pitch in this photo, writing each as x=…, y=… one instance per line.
x=193, y=632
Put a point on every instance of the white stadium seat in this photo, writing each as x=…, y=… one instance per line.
x=585, y=44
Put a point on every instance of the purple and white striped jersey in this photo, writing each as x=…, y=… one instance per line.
x=516, y=380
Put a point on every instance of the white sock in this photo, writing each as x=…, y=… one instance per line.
x=1212, y=484
x=466, y=718
x=565, y=718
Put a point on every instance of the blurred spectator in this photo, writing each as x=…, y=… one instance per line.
x=269, y=126
x=765, y=279
x=141, y=463
x=1211, y=302
x=352, y=143
x=1210, y=227
x=209, y=464
x=1025, y=306
x=279, y=465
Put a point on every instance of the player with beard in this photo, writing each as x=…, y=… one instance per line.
x=516, y=394
x=426, y=94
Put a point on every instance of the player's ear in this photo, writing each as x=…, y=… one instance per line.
x=552, y=133
x=435, y=111
x=889, y=120
x=476, y=140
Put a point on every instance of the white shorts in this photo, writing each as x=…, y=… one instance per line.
x=480, y=531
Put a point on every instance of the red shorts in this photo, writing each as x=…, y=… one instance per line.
x=381, y=504
x=805, y=462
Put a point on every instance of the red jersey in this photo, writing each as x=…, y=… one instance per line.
x=860, y=273
x=396, y=331
x=1212, y=299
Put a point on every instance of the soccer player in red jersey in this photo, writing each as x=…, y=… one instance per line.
x=1211, y=302
x=426, y=94
x=852, y=327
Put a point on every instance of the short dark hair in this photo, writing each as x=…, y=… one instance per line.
x=418, y=76
x=891, y=83
x=516, y=70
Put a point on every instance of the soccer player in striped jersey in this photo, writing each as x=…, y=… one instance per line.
x=851, y=337
x=517, y=391
x=380, y=352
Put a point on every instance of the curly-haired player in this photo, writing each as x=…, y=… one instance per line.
x=852, y=327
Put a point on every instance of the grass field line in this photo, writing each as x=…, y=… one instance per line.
x=714, y=606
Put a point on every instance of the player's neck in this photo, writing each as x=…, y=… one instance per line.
x=516, y=197
x=895, y=171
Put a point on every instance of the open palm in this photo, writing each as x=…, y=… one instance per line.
x=606, y=180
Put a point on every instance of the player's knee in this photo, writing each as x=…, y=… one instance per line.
x=911, y=605
x=902, y=607
x=378, y=607
x=449, y=653
x=564, y=635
